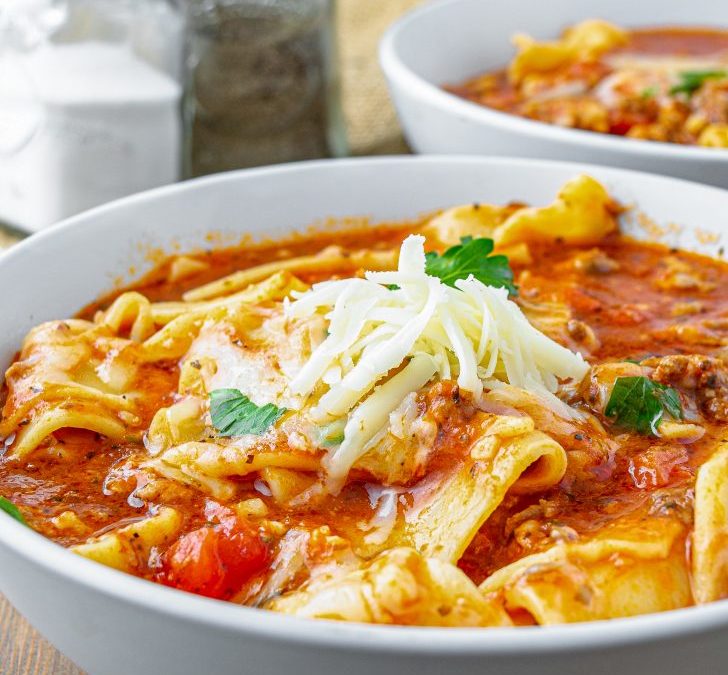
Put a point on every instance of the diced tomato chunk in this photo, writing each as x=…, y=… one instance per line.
x=620, y=127
x=659, y=466
x=582, y=302
x=193, y=563
x=215, y=560
x=622, y=121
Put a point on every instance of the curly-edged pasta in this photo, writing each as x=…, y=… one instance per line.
x=621, y=574
x=587, y=40
x=710, y=540
x=128, y=548
x=508, y=454
x=399, y=586
x=583, y=213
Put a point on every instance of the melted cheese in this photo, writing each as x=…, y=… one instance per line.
x=421, y=328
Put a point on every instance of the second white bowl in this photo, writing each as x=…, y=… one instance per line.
x=448, y=42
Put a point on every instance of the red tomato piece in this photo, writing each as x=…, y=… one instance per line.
x=193, y=564
x=215, y=560
x=620, y=127
x=582, y=302
x=659, y=466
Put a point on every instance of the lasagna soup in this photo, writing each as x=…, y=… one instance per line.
x=497, y=415
x=664, y=84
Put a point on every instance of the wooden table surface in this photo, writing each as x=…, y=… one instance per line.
x=373, y=129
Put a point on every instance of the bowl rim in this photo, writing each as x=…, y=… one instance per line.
x=399, y=73
x=119, y=587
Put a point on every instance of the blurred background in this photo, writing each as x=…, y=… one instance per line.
x=104, y=98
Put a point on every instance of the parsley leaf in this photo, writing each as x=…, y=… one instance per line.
x=691, y=80
x=333, y=441
x=332, y=434
x=670, y=401
x=471, y=256
x=12, y=510
x=234, y=414
x=638, y=403
x=648, y=92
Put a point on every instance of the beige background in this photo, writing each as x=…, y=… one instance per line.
x=373, y=129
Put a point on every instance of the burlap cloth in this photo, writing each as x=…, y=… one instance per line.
x=373, y=129
x=371, y=120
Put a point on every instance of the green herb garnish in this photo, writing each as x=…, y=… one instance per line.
x=691, y=80
x=638, y=403
x=648, y=92
x=332, y=434
x=12, y=510
x=234, y=414
x=392, y=287
x=471, y=256
x=333, y=441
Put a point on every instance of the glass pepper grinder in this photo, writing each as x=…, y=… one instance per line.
x=261, y=84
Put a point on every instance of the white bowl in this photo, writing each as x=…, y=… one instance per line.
x=114, y=624
x=448, y=42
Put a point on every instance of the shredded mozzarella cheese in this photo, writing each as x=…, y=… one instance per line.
x=409, y=321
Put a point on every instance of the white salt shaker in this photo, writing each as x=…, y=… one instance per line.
x=89, y=104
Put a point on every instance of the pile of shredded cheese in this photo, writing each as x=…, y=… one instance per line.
x=391, y=332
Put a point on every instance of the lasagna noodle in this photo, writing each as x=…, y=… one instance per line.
x=639, y=570
x=710, y=537
x=474, y=220
x=511, y=455
x=62, y=416
x=70, y=374
x=221, y=461
x=274, y=288
x=127, y=548
x=399, y=586
x=182, y=422
x=582, y=213
x=182, y=321
x=187, y=474
x=67, y=395
x=331, y=260
x=238, y=351
x=130, y=310
x=286, y=484
x=586, y=40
